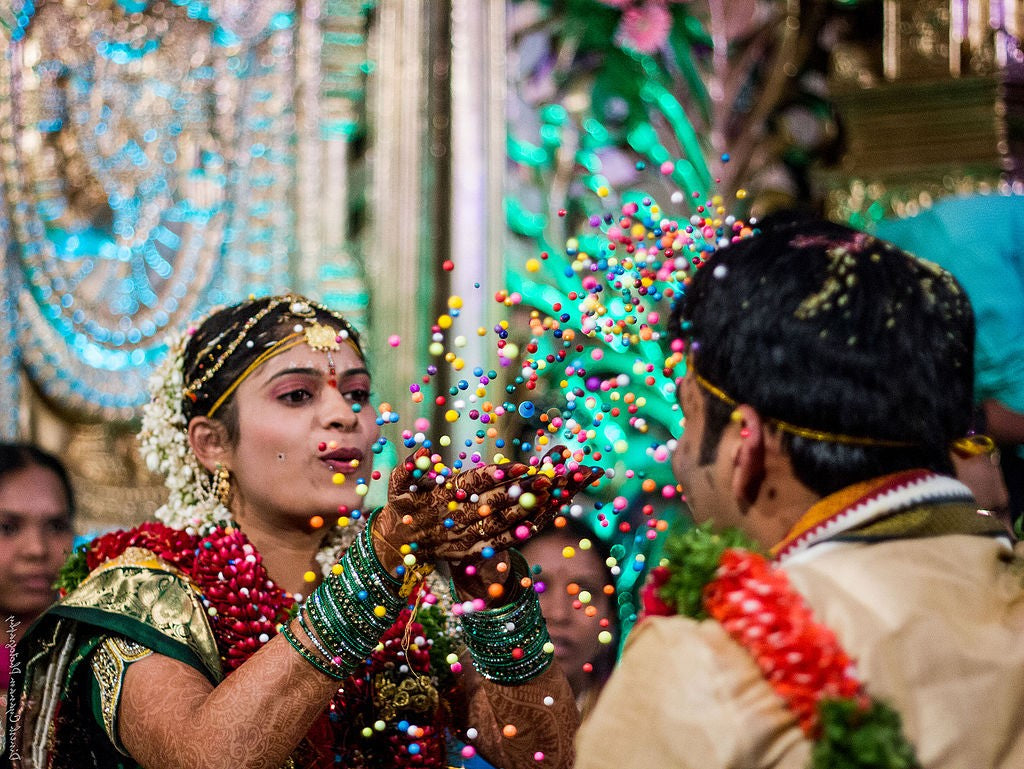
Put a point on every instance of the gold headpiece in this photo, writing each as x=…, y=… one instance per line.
x=317, y=335
x=322, y=338
x=803, y=432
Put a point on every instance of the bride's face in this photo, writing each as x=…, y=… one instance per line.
x=305, y=432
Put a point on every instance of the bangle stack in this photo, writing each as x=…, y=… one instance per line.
x=510, y=645
x=348, y=613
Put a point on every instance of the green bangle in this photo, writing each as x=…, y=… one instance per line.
x=364, y=548
x=493, y=636
x=336, y=671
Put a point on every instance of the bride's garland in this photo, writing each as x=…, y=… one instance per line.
x=392, y=712
x=722, y=577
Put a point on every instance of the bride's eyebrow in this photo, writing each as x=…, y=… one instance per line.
x=354, y=372
x=312, y=371
x=304, y=370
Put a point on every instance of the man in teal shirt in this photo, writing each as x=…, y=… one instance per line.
x=980, y=239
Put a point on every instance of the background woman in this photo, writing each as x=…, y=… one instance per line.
x=36, y=509
x=579, y=606
x=168, y=651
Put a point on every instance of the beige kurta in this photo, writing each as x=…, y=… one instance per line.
x=936, y=626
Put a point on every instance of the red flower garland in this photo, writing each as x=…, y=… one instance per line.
x=720, y=576
x=245, y=608
x=799, y=657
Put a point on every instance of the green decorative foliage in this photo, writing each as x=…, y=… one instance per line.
x=74, y=570
x=434, y=622
x=692, y=558
x=855, y=737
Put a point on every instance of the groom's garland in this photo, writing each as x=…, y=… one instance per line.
x=722, y=577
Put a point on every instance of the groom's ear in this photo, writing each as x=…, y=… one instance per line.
x=746, y=437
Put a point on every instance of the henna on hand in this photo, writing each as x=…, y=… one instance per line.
x=252, y=720
x=492, y=506
x=543, y=715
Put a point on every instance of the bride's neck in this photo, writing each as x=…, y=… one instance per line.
x=288, y=553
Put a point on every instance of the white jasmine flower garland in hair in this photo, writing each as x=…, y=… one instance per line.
x=163, y=442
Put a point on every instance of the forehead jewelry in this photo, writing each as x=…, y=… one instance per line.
x=332, y=374
x=321, y=337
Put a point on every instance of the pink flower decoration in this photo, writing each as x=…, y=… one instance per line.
x=651, y=602
x=644, y=28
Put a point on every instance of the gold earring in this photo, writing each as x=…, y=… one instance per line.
x=222, y=484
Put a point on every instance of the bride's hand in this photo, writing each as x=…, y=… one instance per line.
x=491, y=506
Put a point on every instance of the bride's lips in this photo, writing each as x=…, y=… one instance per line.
x=342, y=460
